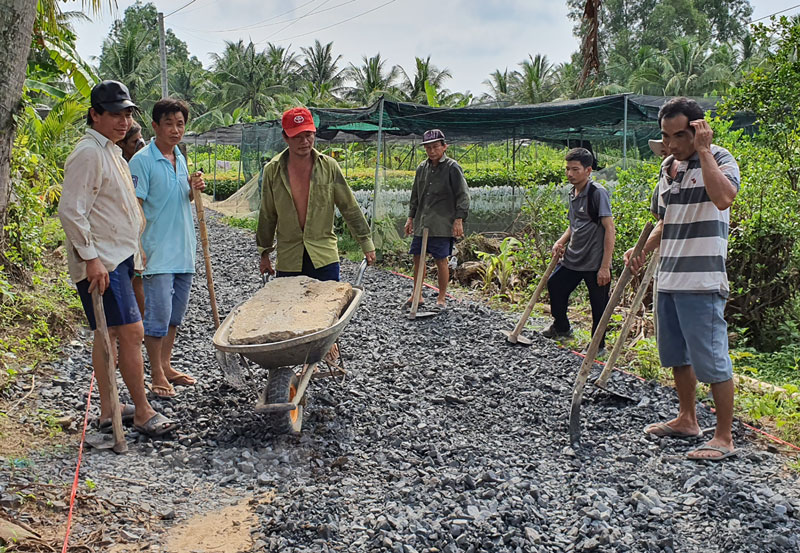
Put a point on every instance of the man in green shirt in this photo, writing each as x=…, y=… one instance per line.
x=300, y=190
x=440, y=203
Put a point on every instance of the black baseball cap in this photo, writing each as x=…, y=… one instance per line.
x=112, y=96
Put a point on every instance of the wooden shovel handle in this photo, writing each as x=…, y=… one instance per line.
x=538, y=292
x=626, y=326
x=120, y=445
x=591, y=352
x=420, y=274
x=201, y=223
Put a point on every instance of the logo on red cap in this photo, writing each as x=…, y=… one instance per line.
x=297, y=120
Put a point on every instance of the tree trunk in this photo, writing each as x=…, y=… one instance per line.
x=16, y=27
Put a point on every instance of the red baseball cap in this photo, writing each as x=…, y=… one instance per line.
x=297, y=120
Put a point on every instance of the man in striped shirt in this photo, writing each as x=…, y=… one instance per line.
x=698, y=183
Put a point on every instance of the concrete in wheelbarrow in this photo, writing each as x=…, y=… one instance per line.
x=289, y=307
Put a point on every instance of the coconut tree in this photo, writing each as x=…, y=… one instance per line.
x=687, y=68
x=535, y=82
x=320, y=69
x=283, y=66
x=424, y=72
x=501, y=86
x=244, y=77
x=371, y=80
x=129, y=61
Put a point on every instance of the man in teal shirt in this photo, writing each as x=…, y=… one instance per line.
x=163, y=186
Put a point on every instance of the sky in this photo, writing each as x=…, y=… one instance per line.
x=471, y=38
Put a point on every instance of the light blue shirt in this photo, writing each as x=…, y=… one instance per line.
x=168, y=239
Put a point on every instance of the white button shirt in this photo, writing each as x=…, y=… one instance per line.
x=98, y=207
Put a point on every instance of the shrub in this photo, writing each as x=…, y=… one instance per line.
x=223, y=187
x=763, y=251
x=630, y=205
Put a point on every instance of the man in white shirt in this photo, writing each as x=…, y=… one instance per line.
x=102, y=221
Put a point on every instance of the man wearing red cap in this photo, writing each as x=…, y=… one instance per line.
x=301, y=189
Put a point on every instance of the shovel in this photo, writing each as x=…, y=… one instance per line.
x=602, y=381
x=228, y=362
x=514, y=335
x=591, y=352
x=119, y=445
x=413, y=313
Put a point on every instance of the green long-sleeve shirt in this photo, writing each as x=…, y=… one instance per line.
x=439, y=196
x=277, y=217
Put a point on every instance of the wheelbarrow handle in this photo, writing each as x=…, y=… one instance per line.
x=362, y=268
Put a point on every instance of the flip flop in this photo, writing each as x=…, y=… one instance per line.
x=163, y=392
x=127, y=417
x=157, y=425
x=725, y=453
x=407, y=304
x=182, y=379
x=663, y=430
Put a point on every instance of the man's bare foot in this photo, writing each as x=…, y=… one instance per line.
x=164, y=391
x=676, y=428
x=178, y=378
x=713, y=450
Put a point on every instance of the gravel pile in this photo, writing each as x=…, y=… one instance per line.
x=442, y=438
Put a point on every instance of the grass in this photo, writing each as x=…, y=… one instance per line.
x=36, y=319
x=248, y=223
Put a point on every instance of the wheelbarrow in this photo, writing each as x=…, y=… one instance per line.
x=284, y=395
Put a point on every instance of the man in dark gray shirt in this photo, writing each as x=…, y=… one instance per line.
x=585, y=247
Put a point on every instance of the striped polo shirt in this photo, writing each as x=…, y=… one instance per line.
x=694, y=241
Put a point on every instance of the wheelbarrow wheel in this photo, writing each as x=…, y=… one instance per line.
x=281, y=388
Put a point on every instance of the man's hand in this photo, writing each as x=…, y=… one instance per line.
x=97, y=275
x=635, y=264
x=702, y=135
x=603, y=276
x=458, y=228
x=265, y=266
x=196, y=180
x=409, y=228
x=370, y=257
x=558, y=250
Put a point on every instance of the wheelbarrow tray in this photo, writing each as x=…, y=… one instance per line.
x=310, y=348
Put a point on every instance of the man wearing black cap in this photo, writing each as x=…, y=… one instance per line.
x=102, y=222
x=440, y=203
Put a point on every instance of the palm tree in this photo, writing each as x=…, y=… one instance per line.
x=189, y=82
x=424, y=72
x=243, y=77
x=129, y=61
x=283, y=66
x=320, y=69
x=501, y=85
x=687, y=68
x=535, y=83
x=371, y=81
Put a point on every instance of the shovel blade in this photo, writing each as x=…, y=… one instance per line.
x=231, y=369
x=520, y=339
x=614, y=393
x=422, y=314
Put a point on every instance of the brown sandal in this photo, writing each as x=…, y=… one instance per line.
x=164, y=392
